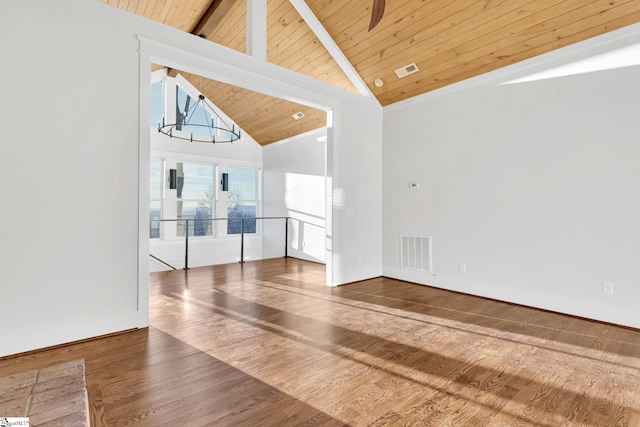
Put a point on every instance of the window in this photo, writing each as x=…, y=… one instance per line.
x=155, y=206
x=198, y=120
x=195, y=198
x=156, y=104
x=242, y=200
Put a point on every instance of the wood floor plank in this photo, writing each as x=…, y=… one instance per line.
x=266, y=343
x=96, y=407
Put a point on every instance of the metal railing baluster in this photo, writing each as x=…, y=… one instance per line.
x=286, y=237
x=242, y=240
x=242, y=233
x=186, y=247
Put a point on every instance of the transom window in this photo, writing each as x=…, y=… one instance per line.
x=199, y=119
x=156, y=104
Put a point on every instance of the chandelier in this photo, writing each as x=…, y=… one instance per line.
x=195, y=117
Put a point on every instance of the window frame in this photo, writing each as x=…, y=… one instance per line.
x=257, y=201
x=213, y=202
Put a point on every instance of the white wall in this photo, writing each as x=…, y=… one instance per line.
x=204, y=251
x=534, y=186
x=294, y=186
x=354, y=165
x=69, y=168
x=74, y=149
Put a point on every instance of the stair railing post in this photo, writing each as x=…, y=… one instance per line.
x=286, y=237
x=241, y=240
x=186, y=247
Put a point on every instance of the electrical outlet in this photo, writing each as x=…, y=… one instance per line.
x=607, y=288
x=463, y=267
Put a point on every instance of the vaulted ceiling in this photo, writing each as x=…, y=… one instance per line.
x=448, y=40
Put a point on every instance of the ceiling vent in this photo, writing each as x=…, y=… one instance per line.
x=406, y=70
x=298, y=115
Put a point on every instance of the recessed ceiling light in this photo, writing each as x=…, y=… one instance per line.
x=378, y=83
x=406, y=70
x=298, y=115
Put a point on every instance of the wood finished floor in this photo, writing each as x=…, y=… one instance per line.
x=266, y=343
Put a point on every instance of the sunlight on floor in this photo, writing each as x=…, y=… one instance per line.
x=308, y=342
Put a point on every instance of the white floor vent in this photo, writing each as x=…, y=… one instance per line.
x=415, y=252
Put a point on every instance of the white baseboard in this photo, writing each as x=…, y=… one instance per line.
x=355, y=275
x=544, y=301
x=35, y=339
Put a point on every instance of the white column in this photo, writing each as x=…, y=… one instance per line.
x=257, y=28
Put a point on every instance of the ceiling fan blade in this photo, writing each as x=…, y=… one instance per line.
x=376, y=13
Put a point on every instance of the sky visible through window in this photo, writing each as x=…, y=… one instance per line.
x=244, y=181
x=199, y=120
x=242, y=199
x=156, y=104
x=198, y=181
x=195, y=198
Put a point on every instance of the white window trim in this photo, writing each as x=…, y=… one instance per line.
x=220, y=201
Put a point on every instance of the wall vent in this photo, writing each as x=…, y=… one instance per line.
x=406, y=70
x=415, y=253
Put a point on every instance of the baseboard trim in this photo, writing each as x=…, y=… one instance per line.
x=543, y=301
x=37, y=339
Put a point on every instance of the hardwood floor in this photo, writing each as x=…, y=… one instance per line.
x=266, y=343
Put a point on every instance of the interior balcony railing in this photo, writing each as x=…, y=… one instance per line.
x=237, y=226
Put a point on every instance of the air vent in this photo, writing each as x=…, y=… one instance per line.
x=415, y=253
x=406, y=70
x=298, y=115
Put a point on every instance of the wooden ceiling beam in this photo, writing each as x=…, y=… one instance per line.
x=332, y=47
x=210, y=19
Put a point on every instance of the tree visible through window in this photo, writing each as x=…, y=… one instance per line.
x=195, y=198
x=242, y=199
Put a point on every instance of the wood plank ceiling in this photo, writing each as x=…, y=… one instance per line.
x=449, y=41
